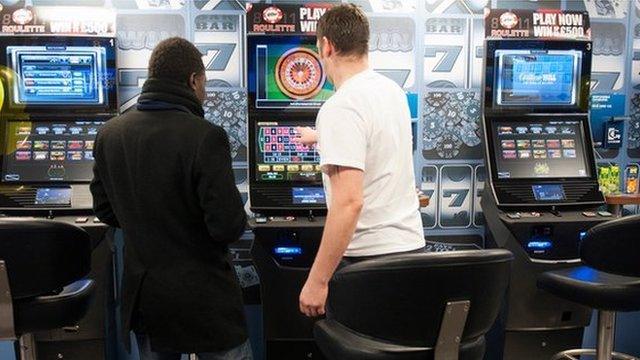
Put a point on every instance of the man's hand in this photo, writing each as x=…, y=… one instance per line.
x=313, y=298
x=306, y=136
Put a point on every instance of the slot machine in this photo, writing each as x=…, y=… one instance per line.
x=542, y=190
x=56, y=93
x=287, y=86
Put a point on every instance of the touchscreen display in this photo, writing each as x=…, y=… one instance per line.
x=546, y=149
x=308, y=195
x=46, y=151
x=548, y=192
x=280, y=158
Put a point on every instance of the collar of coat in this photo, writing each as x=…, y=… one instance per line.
x=171, y=94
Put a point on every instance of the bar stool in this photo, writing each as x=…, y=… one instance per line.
x=610, y=281
x=42, y=266
x=414, y=306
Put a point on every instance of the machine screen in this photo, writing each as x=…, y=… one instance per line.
x=280, y=158
x=49, y=151
x=308, y=195
x=537, y=77
x=541, y=149
x=553, y=192
x=60, y=72
x=285, y=72
x=53, y=196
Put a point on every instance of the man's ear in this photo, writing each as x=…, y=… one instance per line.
x=326, y=48
x=192, y=81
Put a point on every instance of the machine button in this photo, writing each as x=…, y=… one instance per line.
x=307, y=167
x=589, y=213
x=264, y=168
x=605, y=213
x=96, y=220
x=513, y=215
x=293, y=168
x=82, y=220
x=278, y=167
x=318, y=168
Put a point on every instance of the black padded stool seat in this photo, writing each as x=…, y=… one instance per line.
x=42, y=266
x=609, y=283
x=402, y=306
x=43, y=256
x=596, y=289
x=54, y=311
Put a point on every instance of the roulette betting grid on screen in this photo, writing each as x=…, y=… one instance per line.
x=279, y=157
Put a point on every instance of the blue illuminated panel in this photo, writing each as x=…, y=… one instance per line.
x=58, y=75
x=527, y=77
x=539, y=245
x=308, y=195
x=548, y=192
x=288, y=250
x=53, y=196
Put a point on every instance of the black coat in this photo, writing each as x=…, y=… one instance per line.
x=163, y=174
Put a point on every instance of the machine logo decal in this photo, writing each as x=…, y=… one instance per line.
x=509, y=20
x=272, y=15
x=22, y=16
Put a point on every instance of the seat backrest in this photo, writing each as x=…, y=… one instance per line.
x=402, y=298
x=42, y=256
x=614, y=246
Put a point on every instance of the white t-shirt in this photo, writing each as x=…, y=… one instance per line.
x=366, y=125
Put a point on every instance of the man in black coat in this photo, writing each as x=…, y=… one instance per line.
x=163, y=174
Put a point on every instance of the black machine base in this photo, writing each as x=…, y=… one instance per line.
x=537, y=324
x=283, y=253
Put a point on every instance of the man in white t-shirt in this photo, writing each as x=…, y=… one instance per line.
x=365, y=144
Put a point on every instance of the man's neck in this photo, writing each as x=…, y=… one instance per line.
x=348, y=69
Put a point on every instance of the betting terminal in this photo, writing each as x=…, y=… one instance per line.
x=542, y=190
x=57, y=92
x=287, y=86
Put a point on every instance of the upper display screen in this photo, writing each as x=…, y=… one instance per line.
x=279, y=158
x=540, y=149
x=535, y=77
x=50, y=73
x=46, y=151
x=285, y=72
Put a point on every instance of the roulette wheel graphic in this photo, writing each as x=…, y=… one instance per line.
x=299, y=73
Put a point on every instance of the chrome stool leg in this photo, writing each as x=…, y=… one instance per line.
x=606, y=332
x=27, y=347
x=604, y=347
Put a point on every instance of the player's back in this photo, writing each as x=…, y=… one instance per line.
x=389, y=221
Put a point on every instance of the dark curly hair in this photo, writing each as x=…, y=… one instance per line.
x=175, y=59
x=347, y=27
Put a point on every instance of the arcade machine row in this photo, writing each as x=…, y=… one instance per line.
x=287, y=86
x=56, y=93
x=542, y=194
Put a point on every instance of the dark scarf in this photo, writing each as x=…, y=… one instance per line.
x=161, y=94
